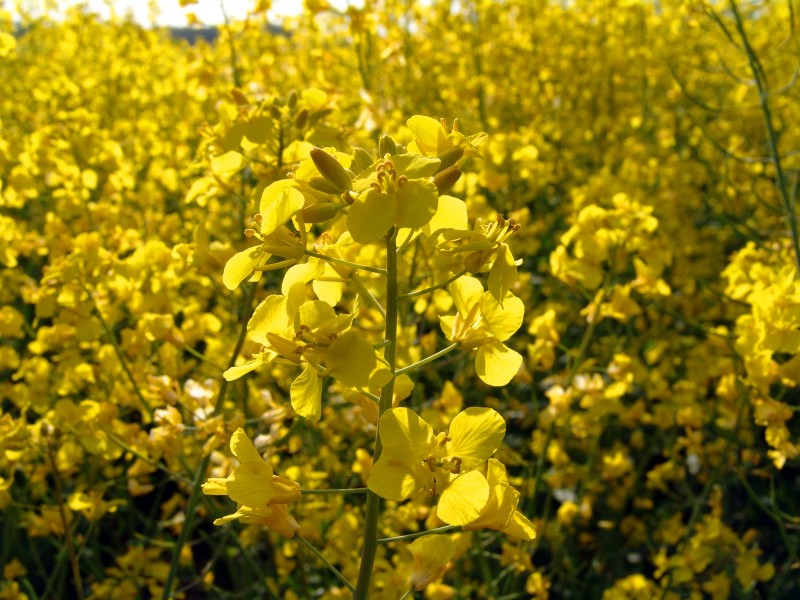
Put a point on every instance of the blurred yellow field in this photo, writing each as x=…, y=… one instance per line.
x=420, y=299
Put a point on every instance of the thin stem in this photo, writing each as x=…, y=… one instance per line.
x=346, y=263
x=433, y=288
x=425, y=361
x=194, y=498
x=772, y=137
x=409, y=592
x=334, y=491
x=367, y=295
x=65, y=523
x=373, y=504
x=419, y=534
x=328, y=564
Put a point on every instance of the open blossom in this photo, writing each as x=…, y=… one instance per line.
x=445, y=465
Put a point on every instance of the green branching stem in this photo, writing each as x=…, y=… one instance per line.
x=346, y=263
x=194, y=498
x=367, y=295
x=419, y=534
x=433, y=288
x=327, y=563
x=760, y=78
x=373, y=504
x=427, y=360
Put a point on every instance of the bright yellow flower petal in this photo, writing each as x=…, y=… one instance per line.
x=306, y=393
x=404, y=434
x=353, y=360
x=430, y=136
x=503, y=275
x=417, y=201
x=475, y=434
x=467, y=292
x=502, y=321
x=451, y=213
x=241, y=265
x=520, y=527
x=251, y=483
x=272, y=315
x=243, y=449
x=277, y=212
x=371, y=216
x=462, y=500
x=215, y=486
x=431, y=554
x=395, y=479
x=497, y=364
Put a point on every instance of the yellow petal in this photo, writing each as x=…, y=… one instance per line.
x=241, y=265
x=417, y=201
x=243, y=449
x=466, y=292
x=371, y=216
x=503, y=275
x=497, y=364
x=431, y=554
x=430, y=136
x=272, y=194
x=462, y=500
x=475, y=434
x=251, y=483
x=276, y=213
x=270, y=316
x=238, y=371
x=306, y=393
x=451, y=213
x=215, y=486
x=352, y=360
x=502, y=321
x=316, y=314
x=520, y=527
x=405, y=435
x=394, y=479
x=300, y=274
x=227, y=165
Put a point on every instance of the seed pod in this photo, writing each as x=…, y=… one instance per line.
x=331, y=170
x=386, y=145
x=291, y=99
x=320, y=212
x=450, y=157
x=446, y=179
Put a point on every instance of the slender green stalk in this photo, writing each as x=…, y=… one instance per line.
x=346, y=263
x=373, y=504
x=427, y=360
x=328, y=564
x=67, y=525
x=334, y=491
x=419, y=534
x=433, y=288
x=772, y=138
x=367, y=295
x=409, y=593
x=194, y=498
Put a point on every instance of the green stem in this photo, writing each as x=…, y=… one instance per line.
x=419, y=534
x=409, y=592
x=194, y=498
x=373, y=504
x=367, y=295
x=425, y=361
x=334, y=491
x=772, y=138
x=346, y=263
x=433, y=288
x=328, y=564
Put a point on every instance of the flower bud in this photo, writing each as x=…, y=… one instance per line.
x=239, y=97
x=275, y=112
x=450, y=157
x=331, y=170
x=316, y=115
x=386, y=145
x=362, y=158
x=301, y=118
x=446, y=179
x=318, y=213
x=291, y=99
x=323, y=185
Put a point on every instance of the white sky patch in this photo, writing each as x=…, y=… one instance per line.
x=169, y=13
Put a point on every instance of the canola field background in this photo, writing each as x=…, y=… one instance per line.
x=550, y=247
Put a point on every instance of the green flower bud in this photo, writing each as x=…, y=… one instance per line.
x=362, y=158
x=386, y=145
x=446, y=179
x=323, y=185
x=331, y=170
x=318, y=213
x=301, y=118
x=450, y=157
x=291, y=99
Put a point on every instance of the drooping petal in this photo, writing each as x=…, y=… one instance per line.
x=306, y=393
x=371, y=216
x=431, y=554
x=503, y=275
x=475, y=434
x=405, y=435
x=463, y=500
x=520, y=527
x=238, y=371
x=497, y=364
x=394, y=479
x=241, y=265
x=502, y=321
x=502, y=503
x=417, y=201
